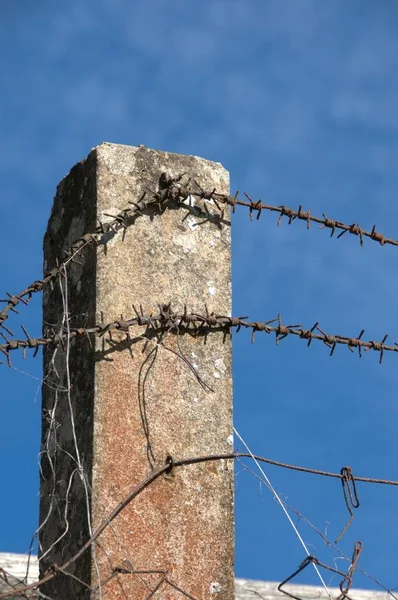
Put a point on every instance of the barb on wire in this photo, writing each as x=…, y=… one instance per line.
x=196, y=324
x=346, y=582
x=350, y=497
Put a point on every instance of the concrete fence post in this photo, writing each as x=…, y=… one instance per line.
x=113, y=412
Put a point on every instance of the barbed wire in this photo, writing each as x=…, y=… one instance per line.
x=257, y=206
x=195, y=324
x=171, y=190
x=167, y=468
x=305, y=215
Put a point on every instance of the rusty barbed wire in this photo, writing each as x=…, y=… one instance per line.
x=284, y=211
x=196, y=324
x=170, y=189
x=305, y=215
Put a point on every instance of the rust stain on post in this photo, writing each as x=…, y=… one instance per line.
x=136, y=400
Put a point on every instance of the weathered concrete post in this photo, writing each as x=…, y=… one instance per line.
x=112, y=413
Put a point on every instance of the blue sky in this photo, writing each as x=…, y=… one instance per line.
x=298, y=99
